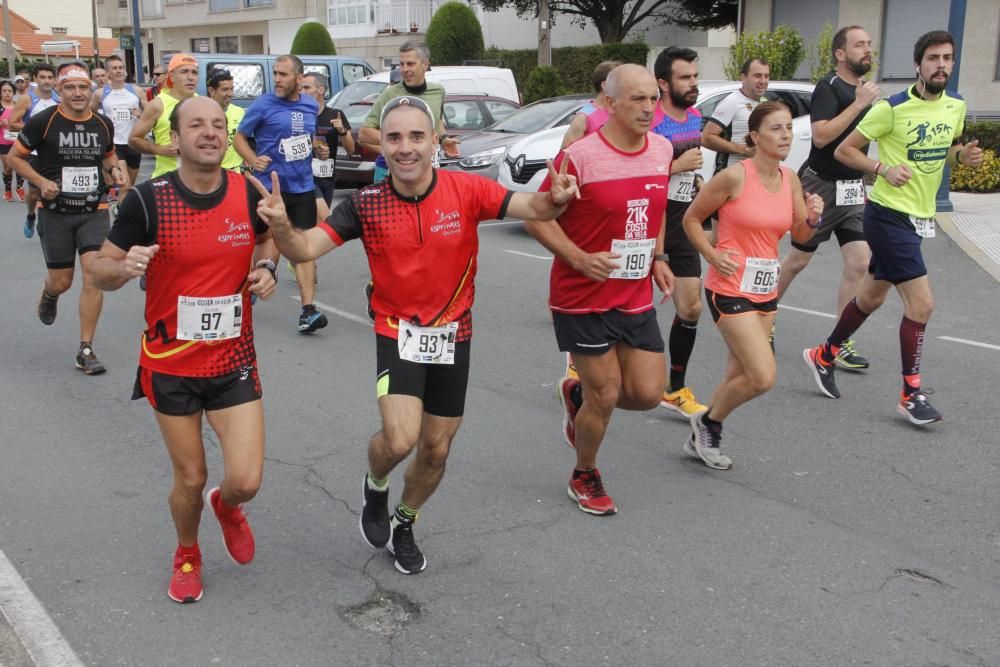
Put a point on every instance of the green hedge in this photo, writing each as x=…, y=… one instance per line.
x=984, y=178
x=575, y=64
x=782, y=47
x=313, y=39
x=543, y=82
x=987, y=131
x=454, y=35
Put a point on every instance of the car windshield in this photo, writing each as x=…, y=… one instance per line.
x=356, y=113
x=356, y=92
x=537, y=116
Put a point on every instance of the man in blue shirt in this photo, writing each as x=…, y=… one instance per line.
x=282, y=124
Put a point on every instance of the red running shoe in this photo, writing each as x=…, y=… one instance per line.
x=185, y=584
x=8, y=195
x=587, y=489
x=236, y=531
x=20, y=193
x=564, y=388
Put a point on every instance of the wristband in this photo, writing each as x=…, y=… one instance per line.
x=269, y=265
x=661, y=258
x=819, y=222
x=878, y=168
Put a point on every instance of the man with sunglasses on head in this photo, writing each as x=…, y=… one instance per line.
x=123, y=103
x=419, y=228
x=220, y=89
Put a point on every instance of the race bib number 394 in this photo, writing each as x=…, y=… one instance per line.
x=296, y=148
x=636, y=258
x=850, y=193
x=427, y=345
x=209, y=318
x=760, y=276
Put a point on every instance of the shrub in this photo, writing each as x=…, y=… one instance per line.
x=987, y=131
x=575, y=64
x=822, y=58
x=542, y=82
x=985, y=178
x=313, y=39
x=782, y=47
x=454, y=35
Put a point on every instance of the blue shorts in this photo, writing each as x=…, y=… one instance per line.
x=894, y=243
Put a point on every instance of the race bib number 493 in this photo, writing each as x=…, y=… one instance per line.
x=79, y=180
x=209, y=318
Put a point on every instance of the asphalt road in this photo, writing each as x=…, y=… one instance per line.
x=842, y=536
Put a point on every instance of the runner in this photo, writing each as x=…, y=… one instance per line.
x=758, y=201
x=676, y=71
x=159, y=81
x=839, y=102
x=606, y=245
x=594, y=114
x=726, y=129
x=283, y=124
x=123, y=103
x=197, y=355
x=917, y=130
x=181, y=83
x=75, y=149
x=220, y=89
x=99, y=76
x=7, y=136
x=21, y=83
x=332, y=127
x=34, y=101
x=423, y=358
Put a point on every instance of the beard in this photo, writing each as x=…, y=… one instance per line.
x=935, y=87
x=859, y=68
x=682, y=101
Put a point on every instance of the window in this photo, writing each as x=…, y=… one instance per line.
x=500, y=110
x=248, y=79
x=463, y=115
x=348, y=12
x=222, y=5
x=227, y=44
x=259, y=3
x=319, y=69
x=905, y=22
x=352, y=72
x=151, y=8
x=707, y=108
x=200, y=45
x=798, y=102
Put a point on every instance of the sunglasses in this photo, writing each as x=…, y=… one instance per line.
x=158, y=73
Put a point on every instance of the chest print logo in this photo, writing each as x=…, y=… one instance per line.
x=447, y=223
x=637, y=221
x=237, y=234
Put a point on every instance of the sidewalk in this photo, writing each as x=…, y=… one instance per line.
x=975, y=227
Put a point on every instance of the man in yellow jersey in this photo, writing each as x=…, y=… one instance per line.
x=220, y=89
x=182, y=81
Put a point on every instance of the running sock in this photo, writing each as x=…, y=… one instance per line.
x=850, y=321
x=682, y=335
x=714, y=426
x=911, y=348
x=86, y=343
x=377, y=484
x=192, y=550
x=49, y=297
x=31, y=216
x=8, y=182
x=576, y=395
x=577, y=473
x=406, y=514
x=911, y=384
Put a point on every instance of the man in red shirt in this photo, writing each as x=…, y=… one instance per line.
x=195, y=235
x=419, y=228
x=607, y=243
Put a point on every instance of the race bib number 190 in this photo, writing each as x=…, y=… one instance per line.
x=427, y=345
x=296, y=148
x=209, y=318
x=635, y=260
x=760, y=276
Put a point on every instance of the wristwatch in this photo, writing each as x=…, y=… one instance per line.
x=269, y=265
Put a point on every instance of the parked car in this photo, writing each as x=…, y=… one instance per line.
x=482, y=152
x=463, y=115
x=523, y=167
x=465, y=80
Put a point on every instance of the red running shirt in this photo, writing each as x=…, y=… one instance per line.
x=623, y=196
x=206, y=250
x=421, y=250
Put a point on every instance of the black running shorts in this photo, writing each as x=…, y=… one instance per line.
x=178, y=396
x=682, y=258
x=301, y=208
x=594, y=334
x=65, y=234
x=441, y=387
x=131, y=157
x=721, y=305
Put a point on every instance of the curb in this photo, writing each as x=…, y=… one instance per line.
x=971, y=249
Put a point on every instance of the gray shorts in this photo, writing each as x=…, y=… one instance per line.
x=847, y=222
x=65, y=234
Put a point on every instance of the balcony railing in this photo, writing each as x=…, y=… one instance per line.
x=403, y=17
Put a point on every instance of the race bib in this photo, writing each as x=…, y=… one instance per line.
x=681, y=186
x=322, y=168
x=79, y=180
x=850, y=193
x=9, y=136
x=209, y=318
x=427, y=345
x=760, y=276
x=636, y=258
x=296, y=148
x=923, y=226
x=121, y=114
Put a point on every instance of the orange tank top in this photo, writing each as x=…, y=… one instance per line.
x=751, y=225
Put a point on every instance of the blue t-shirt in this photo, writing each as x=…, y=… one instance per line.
x=684, y=136
x=277, y=124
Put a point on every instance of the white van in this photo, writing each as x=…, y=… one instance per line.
x=470, y=80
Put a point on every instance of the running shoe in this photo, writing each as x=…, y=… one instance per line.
x=563, y=389
x=369, y=289
x=8, y=195
x=29, y=227
x=374, y=521
x=682, y=402
x=409, y=558
x=311, y=319
x=848, y=357
x=571, y=368
x=822, y=371
x=917, y=409
x=236, y=531
x=587, y=491
x=47, y=307
x=88, y=362
x=705, y=446
x=185, y=584
x=20, y=193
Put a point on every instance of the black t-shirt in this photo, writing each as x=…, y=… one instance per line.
x=325, y=129
x=70, y=153
x=830, y=97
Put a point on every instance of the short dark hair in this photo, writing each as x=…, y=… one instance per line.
x=5, y=82
x=295, y=60
x=745, y=69
x=321, y=79
x=665, y=60
x=601, y=72
x=929, y=39
x=757, y=116
x=113, y=56
x=43, y=67
x=175, y=116
x=217, y=75
x=840, y=39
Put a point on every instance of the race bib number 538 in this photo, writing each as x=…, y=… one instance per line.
x=296, y=148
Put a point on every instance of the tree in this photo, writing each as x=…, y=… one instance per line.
x=454, y=35
x=313, y=39
x=705, y=14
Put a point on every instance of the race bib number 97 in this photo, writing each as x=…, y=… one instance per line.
x=635, y=260
x=760, y=276
x=427, y=345
x=209, y=318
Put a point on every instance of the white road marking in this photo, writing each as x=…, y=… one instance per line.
x=988, y=346
x=32, y=625
x=337, y=311
x=528, y=254
x=807, y=311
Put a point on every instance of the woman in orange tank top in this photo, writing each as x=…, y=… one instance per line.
x=758, y=201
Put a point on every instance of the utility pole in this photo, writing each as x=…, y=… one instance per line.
x=544, y=34
x=9, y=40
x=137, y=42
x=93, y=18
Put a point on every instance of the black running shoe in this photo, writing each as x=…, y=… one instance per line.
x=311, y=319
x=47, y=306
x=374, y=521
x=369, y=288
x=917, y=409
x=849, y=358
x=822, y=371
x=409, y=558
x=88, y=362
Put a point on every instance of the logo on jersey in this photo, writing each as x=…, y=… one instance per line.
x=298, y=122
x=237, y=234
x=447, y=223
x=637, y=220
x=929, y=145
x=655, y=186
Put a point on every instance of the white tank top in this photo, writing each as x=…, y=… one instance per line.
x=118, y=105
